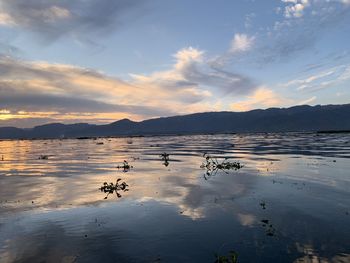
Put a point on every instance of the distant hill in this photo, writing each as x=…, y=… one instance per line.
x=294, y=119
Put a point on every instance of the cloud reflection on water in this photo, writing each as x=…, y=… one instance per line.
x=299, y=189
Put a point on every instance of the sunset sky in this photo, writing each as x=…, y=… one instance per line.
x=98, y=61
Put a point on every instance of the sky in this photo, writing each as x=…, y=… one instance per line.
x=99, y=61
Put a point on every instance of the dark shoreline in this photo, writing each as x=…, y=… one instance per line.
x=176, y=134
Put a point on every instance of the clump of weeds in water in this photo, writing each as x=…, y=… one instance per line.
x=231, y=258
x=125, y=166
x=43, y=157
x=263, y=205
x=165, y=158
x=212, y=165
x=111, y=188
x=270, y=230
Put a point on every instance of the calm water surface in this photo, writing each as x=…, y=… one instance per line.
x=289, y=203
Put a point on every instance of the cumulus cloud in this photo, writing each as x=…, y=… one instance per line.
x=54, y=18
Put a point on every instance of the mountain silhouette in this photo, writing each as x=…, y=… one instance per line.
x=295, y=119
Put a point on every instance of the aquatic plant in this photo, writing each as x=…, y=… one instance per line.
x=165, y=158
x=111, y=188
x=125, y=166
x=231, y=258
x=212, y=165
x=270, y=230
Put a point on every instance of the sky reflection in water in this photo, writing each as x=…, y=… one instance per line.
x=51, y=210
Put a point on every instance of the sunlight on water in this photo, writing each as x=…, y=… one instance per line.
x=290, y=201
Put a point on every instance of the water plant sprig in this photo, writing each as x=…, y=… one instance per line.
x=111, y=188
x=212, y=165
x=165, y=158
x=125, y=166
x=231, y=258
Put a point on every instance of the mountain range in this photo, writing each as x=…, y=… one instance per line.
x=294, y=119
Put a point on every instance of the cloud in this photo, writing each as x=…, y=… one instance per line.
x=307, y=101
x=8, y=49
x=320, y=80
x=239, y=47
x=306, y=82
x=289, y=36
x=248, y=20
x=241, y=43
x=261, y=98
x=327, y=61
x=69, y=90
x=64, y=104
x=301, y=25
x=193, y=72
x=296, y=8
x=38, y=89
x=54, y=18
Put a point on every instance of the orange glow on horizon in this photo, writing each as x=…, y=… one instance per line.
x=72, y=117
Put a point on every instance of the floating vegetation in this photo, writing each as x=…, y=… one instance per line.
x=231, y=258
x=212, y=165
x=126, y=166
x=165, y=158
x=263, y=205
x=275, y=182
x=43, y=157
x=270, y=230
x=111, y=188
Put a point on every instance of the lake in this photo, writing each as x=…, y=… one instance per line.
x=290, y=202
